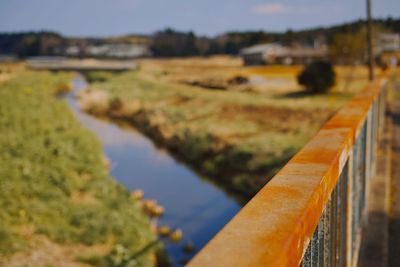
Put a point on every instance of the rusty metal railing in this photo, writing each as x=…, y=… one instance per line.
x=312, y=212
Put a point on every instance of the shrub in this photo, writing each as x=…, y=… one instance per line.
x=115, y=103
x=98, y=76
x=317, y=77
x=63, y=88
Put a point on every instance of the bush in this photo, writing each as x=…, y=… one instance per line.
x=115, y=103
x=98, y=76
x=317, y=77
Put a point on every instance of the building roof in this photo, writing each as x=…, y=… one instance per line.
x=388, y=42
x=277, y=50
x=389, y=36
x=306, y=52
x=261, y=48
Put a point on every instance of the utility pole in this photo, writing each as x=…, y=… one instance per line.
x=369, y=43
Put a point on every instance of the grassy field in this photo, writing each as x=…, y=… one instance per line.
x=394, y=82
x=9, y=69
x=59, y=207
x=237, y=125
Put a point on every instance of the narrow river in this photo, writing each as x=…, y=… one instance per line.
x=192, y=204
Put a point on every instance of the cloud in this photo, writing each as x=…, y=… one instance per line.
x=271, y=9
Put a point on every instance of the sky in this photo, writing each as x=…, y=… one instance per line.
x=98, y=18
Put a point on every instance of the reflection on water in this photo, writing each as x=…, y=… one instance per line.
x=197, y=207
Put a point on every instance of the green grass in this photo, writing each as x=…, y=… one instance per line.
x=46, y=159
x=239, y=139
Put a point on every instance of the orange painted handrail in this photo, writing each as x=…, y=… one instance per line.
x=276, y=226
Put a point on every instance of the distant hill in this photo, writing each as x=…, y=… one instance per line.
x=26, y=44
x=232, y=42
x=169, y=42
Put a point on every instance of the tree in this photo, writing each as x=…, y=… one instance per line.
x=171, y=43
x=348, y=48
x=317, y=77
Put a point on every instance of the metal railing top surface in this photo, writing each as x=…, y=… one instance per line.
x=276, y=226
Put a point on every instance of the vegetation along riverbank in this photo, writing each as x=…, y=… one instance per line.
x=236, y=125
x=59, y=205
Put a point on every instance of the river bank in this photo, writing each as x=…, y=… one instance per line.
x=59, y=206
x=198, y=208
x=239, y=137
x=205, y=156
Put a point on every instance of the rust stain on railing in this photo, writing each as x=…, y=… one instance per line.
x=275, y=227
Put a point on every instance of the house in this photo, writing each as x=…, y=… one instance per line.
x=388, y=49
x=302, y=55
x=261, y=54
x=72, y=51
x=389, y=42
x=106, y=50
x=277, y=54
x=118, y=50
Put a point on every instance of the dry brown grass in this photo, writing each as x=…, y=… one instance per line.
x=276, y=79
x=93, y=100
x=240, y=133
x=83, y=198
x=8, y=70
x=44, y=252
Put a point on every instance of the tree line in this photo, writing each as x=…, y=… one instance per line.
x=344, y=39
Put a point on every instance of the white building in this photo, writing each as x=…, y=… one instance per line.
x=260, y=54
x=277, y=54
x=118, y=50
x=72, y=51
x=389, y=42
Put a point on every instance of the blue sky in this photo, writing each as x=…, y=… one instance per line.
x=209, y=17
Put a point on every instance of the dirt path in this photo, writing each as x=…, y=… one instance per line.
x=394, y=224
x=375, y=237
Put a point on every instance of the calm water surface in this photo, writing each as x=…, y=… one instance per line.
x=192, y=204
